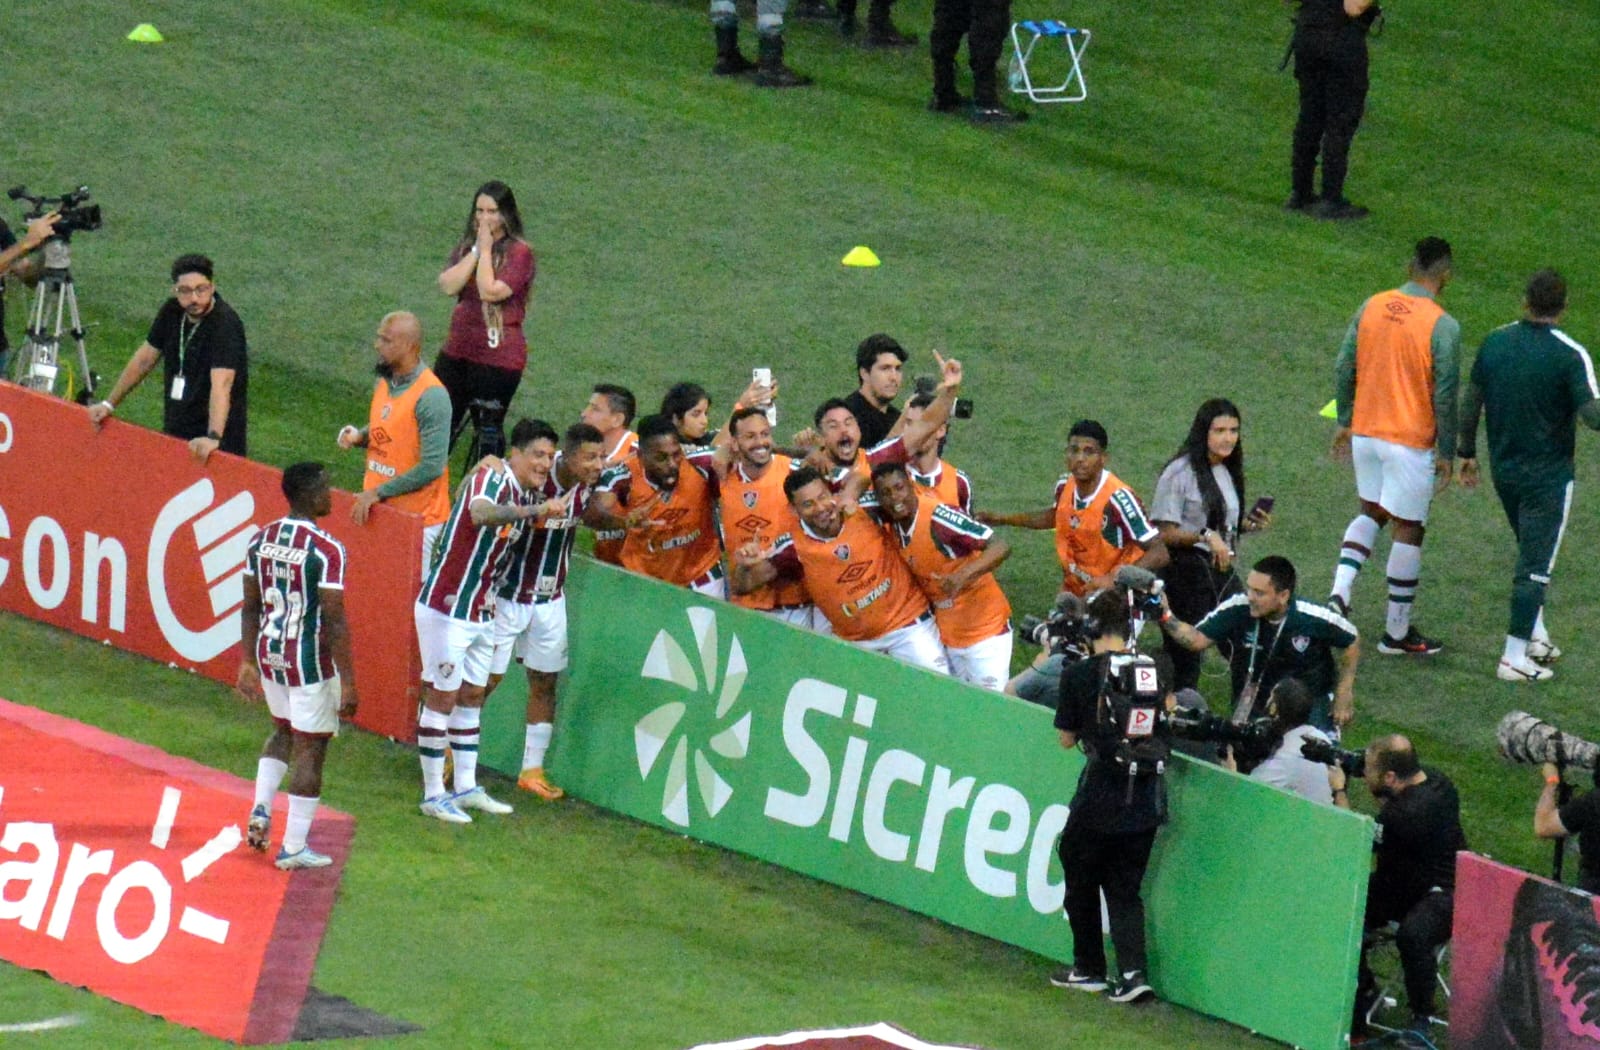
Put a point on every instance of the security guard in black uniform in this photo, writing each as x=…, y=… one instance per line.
x=984, y=23
x=1330, y=62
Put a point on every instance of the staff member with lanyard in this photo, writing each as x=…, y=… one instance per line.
x=1276, y=635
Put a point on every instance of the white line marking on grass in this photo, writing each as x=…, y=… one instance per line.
x=64, y=1021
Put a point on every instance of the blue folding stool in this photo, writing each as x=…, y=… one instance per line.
x=1075, y=42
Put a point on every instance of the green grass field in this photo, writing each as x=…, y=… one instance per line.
x=1122, y=259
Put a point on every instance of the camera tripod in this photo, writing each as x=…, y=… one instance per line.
x=37, y=365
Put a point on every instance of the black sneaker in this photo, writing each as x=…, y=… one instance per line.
x=1415, y=643
x=953, y=104
x=1338, y=210
x=1069, y=977
x=1339, y=605
x=996, y=115
x=1299, y=202
x=1131, y=987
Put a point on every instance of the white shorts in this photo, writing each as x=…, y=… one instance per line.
x=986, y=664
x=916, y=644
x=713, y=584
x=453, y=651
x=310, y=709
x=802, y=616
x=1397, y=478
x=535, y=634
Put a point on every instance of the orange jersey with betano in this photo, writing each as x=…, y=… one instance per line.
x=857, y=579
x=1096, y=535
x=757, y=509
x=684, y=547
x=608, y=542
x=1394, y=370
x=939, y=540
x=394, y=446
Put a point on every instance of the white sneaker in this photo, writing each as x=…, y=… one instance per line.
x=1543, y=651
x=440, y=807
x=1525, y=671
x=304, y=857
x=478, y=798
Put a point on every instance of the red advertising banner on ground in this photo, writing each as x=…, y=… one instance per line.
x=120, y=536
x=124, y=870
x=1524, y=962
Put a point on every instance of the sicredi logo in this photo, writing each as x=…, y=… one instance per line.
x=663, y=728
x=221, y=536
x=1006, y=844
x=61, y=889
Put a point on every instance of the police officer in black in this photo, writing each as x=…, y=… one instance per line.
x=984, y=23
x=1330, y=62
x=1113, y=704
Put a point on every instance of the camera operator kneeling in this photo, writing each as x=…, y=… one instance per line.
x=1114, y=704
x=1414, y=881
x=1285, y=766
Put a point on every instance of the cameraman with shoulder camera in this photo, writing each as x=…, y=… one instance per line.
x=1113, y=704
x=199, y=340
x=1413, y=883
x=1276, y=635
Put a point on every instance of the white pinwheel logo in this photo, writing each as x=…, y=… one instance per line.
x=664, y=728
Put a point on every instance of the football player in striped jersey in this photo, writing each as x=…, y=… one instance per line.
x=296, y=657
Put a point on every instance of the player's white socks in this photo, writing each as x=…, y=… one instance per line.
x=535, y=742
x=464, y=745
x=301, y=810
x=269, y=775
x=1405, y=566
x=1353, y=553
x=1516, y=652
x=431, y=728
x=1540, y=632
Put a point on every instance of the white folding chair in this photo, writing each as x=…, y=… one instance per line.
x=1025, y=37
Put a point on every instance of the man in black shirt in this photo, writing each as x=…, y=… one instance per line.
x=13, y=256
x=200, y=340
x=1414, y=881
x=880, y=361
x=1330, y=63
x=1120, y=801
x=1580, y=817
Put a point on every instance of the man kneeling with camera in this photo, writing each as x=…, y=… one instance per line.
x=1113, y=704
x=1285, y=766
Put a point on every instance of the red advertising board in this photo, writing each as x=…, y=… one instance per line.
x=118, y=535
x=124, y=870
x=1524, y=961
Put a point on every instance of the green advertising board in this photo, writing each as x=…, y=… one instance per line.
x=804, y=751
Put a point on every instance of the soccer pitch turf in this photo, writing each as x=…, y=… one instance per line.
x=1123, y=259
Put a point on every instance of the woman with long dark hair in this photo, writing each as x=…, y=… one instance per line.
x=688, y=406
x=490, y=273
x=1199, y=510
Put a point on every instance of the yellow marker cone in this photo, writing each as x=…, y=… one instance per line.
x=145, y=33
x=861, y=255
x=1330, y=410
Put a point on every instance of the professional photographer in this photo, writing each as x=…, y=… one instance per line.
x=1276, y=635
x=1579, y=816
x=1286, y=767
x=13, y=254
x=1413, y=883
x=1114, y=705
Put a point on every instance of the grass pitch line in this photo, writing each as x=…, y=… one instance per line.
x=47, y=1025
x=871, y=1037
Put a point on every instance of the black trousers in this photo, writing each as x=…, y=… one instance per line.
x=467, y=381
x=1093, y=862
x=1332, y=72
x=984, y=23
x=1424, y=924
x=1193, y=589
